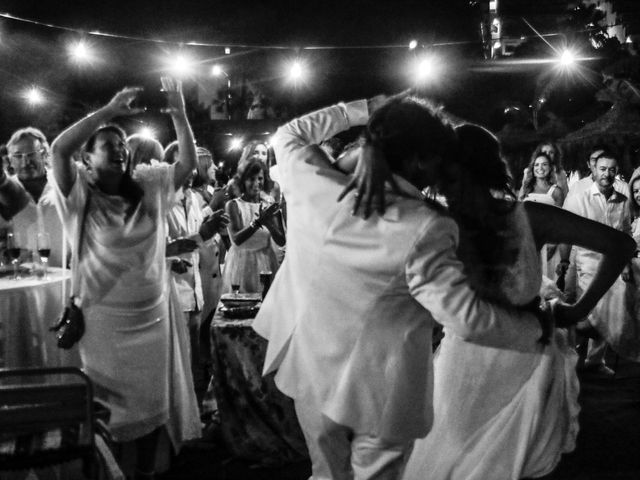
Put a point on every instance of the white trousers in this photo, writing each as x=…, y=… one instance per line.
x=337, y=453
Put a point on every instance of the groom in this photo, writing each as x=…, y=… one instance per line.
x=350, y=314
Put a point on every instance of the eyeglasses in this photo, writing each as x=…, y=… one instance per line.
x=30, y=156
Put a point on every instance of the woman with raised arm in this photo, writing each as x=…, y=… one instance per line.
x=119, y=221
x=503, y=413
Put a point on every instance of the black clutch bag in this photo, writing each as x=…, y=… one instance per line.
x=69, y=327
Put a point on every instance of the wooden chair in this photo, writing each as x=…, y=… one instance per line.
x=46, y=418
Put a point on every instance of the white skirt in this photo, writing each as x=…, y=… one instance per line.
x=126, y=355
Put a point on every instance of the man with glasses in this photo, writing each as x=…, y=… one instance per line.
x=27, y=153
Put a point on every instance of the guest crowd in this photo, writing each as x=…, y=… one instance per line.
x=155, y=235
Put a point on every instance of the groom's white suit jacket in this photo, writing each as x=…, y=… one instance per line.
x=350, y=313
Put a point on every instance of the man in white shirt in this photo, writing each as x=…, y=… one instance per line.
x=349, y=316
x=601, y=202
x=577, y=187
x=28, y=152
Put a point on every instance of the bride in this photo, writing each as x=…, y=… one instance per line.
x=503, y=414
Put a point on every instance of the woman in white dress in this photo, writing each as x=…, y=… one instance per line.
x=499, y=413
x=254, y=221
x=503, y=414
x=121, y=278
x=538, y=185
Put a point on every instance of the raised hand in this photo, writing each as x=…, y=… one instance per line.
x=214, y=224
x=175, y=99
x=369, y=178
x=266, y=214
x=180, y=246
x=120, y=104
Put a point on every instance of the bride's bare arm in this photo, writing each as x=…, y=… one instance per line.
x=555, y=225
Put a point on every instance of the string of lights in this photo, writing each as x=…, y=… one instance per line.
x=412, y=45
x=425, y=67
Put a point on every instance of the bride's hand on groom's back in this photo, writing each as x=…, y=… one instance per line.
x=369, y=178
x=564, y=314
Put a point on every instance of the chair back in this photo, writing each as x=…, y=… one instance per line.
x=46, y=417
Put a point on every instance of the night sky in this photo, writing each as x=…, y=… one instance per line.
x=33, y=54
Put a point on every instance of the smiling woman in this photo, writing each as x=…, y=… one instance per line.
x=119, y=271
x=255, y=219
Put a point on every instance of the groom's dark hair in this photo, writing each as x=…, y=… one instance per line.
x=414, y=137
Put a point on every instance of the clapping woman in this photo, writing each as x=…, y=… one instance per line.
x=120, y=266
x=254, y=220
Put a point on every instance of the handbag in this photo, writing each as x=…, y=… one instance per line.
x=69, y=328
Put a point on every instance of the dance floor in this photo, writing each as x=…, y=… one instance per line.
x=608, y=444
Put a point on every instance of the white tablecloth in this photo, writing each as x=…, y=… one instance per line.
x=28, y=307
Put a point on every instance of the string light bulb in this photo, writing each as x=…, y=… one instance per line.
x=217, y=70
x=235, y=144
x=297, y=71
x=567, y=58
x=180, y=65
x=427, y=69
x=81, y=52
x=33, y=96
x=147, y=132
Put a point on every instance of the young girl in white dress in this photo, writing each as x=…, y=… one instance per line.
x=254, y=221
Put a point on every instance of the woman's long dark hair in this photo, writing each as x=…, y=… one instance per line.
x=129, y=188
x=529, y=185
x=483, y=174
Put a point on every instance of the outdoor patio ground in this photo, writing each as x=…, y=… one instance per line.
x=608, y=444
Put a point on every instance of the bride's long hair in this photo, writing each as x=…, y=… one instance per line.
x=479, y=194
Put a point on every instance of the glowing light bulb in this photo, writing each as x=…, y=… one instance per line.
x=34, y=96
x=147, y=132
x=217, y=70
x=235, y=144
x=427, y=69
x=413, y=44
x=180, y=65
x=296, y=71
x=81, y=52
x=567, y=58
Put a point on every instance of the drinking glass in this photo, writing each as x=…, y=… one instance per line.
x=14, y=253
x=235, y=288
x=265, y=280
x=44, y=250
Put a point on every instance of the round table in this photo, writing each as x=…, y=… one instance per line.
x=28, y=307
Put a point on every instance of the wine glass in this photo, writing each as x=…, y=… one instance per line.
x=44, y=250
x=14, y=253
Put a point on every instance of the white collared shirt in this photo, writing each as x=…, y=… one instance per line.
x=585, y=183
x=592, y=204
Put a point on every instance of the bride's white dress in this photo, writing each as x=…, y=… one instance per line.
x=501, y=414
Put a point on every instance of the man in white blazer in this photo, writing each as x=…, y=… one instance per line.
x=350, y=313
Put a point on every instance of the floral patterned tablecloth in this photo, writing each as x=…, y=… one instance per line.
x=258, y=422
